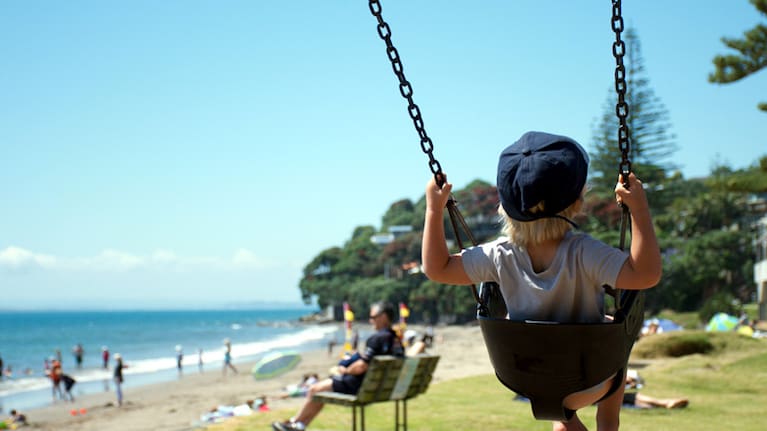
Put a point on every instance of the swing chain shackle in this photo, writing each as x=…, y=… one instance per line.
x=406, y=90
x=621, y=108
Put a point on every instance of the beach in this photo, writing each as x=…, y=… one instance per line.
x=179, y=404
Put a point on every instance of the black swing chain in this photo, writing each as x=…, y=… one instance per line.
x=622, y=111
x=384, y=32
x=621, y=108
x=406, y=90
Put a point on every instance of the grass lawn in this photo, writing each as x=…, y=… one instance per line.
x=727, y=388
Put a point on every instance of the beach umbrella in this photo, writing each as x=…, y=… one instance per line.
x=275, y=364
x=722, y=322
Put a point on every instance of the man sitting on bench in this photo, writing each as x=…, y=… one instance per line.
x=383, y=342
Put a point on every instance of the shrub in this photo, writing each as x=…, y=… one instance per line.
x=673, y=344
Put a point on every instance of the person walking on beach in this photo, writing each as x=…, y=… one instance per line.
x=355, y=339
x=78, y=352
x=118, y=377
x=383, y=342
x=69, y=382
x=54, y=373
x=179, y=358
x=199, y=359
x=228, y=356
x=105, y=356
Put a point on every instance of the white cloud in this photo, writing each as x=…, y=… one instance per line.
x=114, y=260
x=111, y=260
x=244, y=258
x=163, y=256
x=19, y=258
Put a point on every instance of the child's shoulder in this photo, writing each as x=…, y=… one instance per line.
x=580, y=239
x=501, y=241
x=584, y=242
x=497, y=246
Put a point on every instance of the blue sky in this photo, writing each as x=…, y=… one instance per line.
x=198, y=153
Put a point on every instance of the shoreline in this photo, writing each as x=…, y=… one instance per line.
x=178, y=405
x=149, y=365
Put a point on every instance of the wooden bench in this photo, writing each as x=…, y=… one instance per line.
x=388, y=379
x=413, y=380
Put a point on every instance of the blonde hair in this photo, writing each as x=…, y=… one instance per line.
x=524, y=233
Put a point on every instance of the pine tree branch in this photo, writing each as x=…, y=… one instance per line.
x=752, y=58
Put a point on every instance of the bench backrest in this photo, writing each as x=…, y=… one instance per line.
x=379, y=380
x=415, y=376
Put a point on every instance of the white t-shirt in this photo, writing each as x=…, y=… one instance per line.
x=568, y=291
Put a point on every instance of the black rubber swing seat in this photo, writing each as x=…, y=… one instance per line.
x=546, y=361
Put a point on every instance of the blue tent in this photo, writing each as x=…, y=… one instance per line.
x=722, y=322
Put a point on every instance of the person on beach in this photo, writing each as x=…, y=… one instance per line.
x=105, y=357
x=55, y=373
x=301, y=389
x=199, y=359
x=355, y=339
x=179, y=358
x=78, y=352
x=641, y=401
x=228, y=357
x=17, y=418
x=383, y=342
x=118, y=377
x=415, y=343
x=68, y=382
x=541, y=263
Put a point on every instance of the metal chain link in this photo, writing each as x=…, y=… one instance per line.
x=426, y=144
x=384, y=32
x=622, y=111
x=621, y=108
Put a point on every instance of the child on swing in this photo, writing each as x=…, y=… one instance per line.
x=541, y=262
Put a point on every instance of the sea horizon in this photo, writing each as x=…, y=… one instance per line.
x=255, y=306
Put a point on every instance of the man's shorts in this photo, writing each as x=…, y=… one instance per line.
x=629, y=398
x=347, y=384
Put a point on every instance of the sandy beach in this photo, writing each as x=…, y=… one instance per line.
x=178, y=405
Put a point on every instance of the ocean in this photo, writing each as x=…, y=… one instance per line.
x=147, y=341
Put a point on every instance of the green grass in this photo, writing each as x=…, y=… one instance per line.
x=727, y=388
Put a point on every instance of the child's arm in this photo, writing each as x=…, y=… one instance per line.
x=643, y=268
x=438, y=264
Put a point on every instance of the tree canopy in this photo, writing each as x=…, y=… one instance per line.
x=751, y=57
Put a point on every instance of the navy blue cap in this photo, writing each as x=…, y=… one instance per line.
x=541, y=167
